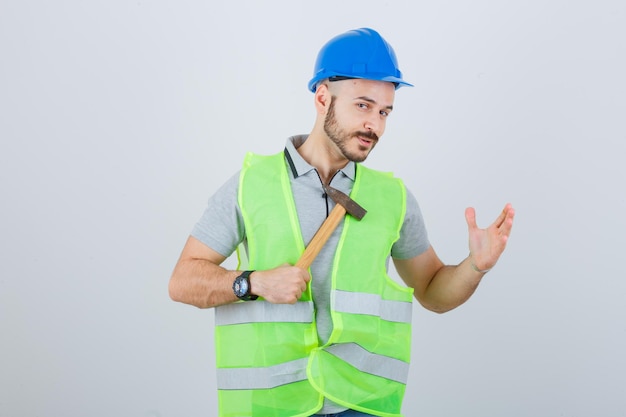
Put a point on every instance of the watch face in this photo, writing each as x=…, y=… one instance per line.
x=241, y=286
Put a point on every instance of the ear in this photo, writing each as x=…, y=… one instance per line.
x=322, y=98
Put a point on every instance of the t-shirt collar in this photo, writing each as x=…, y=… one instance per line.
x=300, y=167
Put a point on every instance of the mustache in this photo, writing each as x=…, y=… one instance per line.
x=369, y=134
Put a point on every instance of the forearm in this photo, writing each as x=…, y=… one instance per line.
x=199, y=280
x=451, y=286
x=202, y=283
x=205, y=284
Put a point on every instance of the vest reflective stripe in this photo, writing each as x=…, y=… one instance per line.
x=294, y=371
x=262, y=311
x=374, y=364
x=262, y=378
x=373, y=304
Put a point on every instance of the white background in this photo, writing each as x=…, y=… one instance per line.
x=118, y=119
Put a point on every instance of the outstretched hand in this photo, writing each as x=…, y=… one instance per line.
x=486, y=245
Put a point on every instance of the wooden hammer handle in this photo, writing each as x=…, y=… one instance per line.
x=321, y=236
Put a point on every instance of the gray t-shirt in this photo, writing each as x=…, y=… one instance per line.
x=222, y=229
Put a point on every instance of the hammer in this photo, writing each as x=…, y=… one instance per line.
x=343, y=204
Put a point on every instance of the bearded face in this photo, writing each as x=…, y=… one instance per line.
x=351, y=144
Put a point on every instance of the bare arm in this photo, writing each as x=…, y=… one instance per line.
x=441, y=288
x=199, y=280
x=438, y=287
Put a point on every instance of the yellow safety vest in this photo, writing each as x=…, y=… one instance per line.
x=269, y=361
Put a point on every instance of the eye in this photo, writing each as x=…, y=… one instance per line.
x=384, y=113
x=363, y=106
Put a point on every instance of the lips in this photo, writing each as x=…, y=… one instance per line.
x=367, y=139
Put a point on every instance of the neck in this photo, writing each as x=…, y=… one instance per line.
x=322, y=154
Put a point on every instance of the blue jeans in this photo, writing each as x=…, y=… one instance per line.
x=347, y=413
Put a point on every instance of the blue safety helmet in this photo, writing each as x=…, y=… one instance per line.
x=359, y=53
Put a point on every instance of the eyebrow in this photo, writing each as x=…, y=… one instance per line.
x=371, y=100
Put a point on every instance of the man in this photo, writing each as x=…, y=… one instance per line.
x=335, y=339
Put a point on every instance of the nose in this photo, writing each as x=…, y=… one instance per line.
x=375, y=123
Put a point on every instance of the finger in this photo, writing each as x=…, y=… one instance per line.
x=507, y=224
x=502, y=217
x=470, y=218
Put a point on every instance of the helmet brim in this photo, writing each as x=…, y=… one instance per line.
x=398, y=82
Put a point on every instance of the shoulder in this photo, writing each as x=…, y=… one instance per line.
x=384, y=177
x=255, y=160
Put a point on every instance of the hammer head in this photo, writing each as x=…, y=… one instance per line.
x=349, y=204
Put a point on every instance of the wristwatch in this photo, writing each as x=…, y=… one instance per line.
x=241, y=287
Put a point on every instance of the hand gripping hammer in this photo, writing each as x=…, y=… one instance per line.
x=343, y=204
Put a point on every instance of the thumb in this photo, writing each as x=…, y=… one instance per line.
x=470, y=218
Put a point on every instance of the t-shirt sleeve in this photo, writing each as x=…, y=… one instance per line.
x=413, y=239
x=221, y=226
